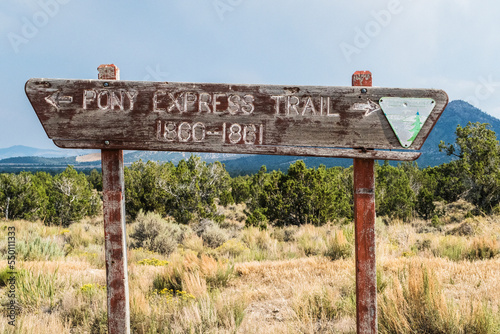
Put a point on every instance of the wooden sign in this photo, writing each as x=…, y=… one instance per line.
x=225, y=118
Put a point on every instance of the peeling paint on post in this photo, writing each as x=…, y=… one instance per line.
x=364, y=220
x=114, y=230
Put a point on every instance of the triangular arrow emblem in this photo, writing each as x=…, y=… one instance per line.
x=406, y=115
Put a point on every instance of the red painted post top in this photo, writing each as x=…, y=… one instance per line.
x=362, y=78
x=108, y=72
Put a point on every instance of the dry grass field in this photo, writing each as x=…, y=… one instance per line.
x=431, y=278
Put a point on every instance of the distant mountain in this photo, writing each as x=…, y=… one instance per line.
x=175, y=157
x=251, y=164
x=457, y=112
x=25, y=151
x=38, y=161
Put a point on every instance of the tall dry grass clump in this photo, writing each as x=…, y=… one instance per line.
x=186, y=296
x=321, y=308
x=213, y=313
x=38, y=291
x=194, y=275
x=312, y=240
x=261, y=244
x=340, y=246
x=484, y=248
x=79, y=236
x=416, y=303
x=37, y=323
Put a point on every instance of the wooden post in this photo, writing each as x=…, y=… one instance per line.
x=364, y=221
x=113, y=189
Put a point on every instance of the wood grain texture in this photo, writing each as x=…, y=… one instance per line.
x=364, y=226
x=115, y=245
x=200, y=117
x=270, y=150
x=115, y=242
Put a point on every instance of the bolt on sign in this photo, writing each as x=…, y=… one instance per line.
x=353, y=122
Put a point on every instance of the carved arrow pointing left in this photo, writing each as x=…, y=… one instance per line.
x=56, y=99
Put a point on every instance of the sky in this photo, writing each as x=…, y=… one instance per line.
x=452, y=45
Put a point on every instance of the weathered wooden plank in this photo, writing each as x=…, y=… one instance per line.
x=364, y=234
x=115, y=242
x=254, y=149
x=115, y=245
x=364, y=226
x=215, y=117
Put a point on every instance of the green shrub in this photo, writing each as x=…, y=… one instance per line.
x=422, y=245
x=435, y=222
x=214, y=237
x=226, y=198
x=82, y=235
x=312, y=244
x=212, y=234
x=5, y=274
x=394, y=194
x=71, y=198
x=289, y=234
x=257, y=219
x=464, y=229
x=425, y=206
x=318, y=306
x=100, y=322
x=155, y=234
x=38, y=249
x=382, y=281
x=232, y=248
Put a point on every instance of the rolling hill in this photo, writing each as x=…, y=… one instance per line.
x=457, y=112
x=26, y=151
